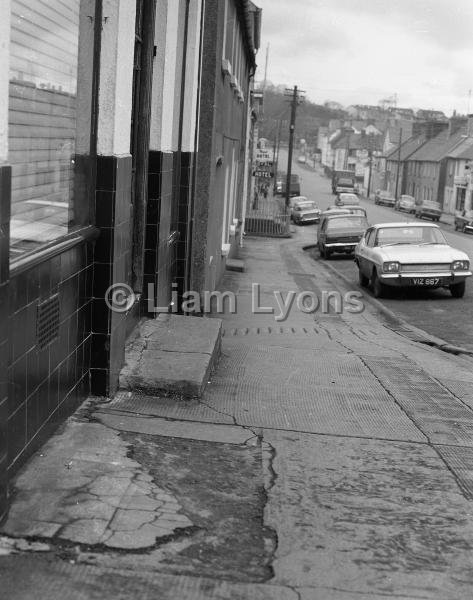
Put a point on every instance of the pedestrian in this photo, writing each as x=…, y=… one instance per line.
x=255, y=199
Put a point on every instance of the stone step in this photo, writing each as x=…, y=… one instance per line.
x=172, y=353
x=235, y=264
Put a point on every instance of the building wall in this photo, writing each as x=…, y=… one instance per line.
x=45, y=280
x=423, y=180
x=221, y=159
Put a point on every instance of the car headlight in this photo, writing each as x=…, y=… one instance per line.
x=460, y=265
x=391, y=267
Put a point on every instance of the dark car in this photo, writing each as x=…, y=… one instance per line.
x=340, y=233
x=384, y=198
x=428, y=209
x=464, y=221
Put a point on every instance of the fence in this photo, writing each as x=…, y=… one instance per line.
x=267, y=216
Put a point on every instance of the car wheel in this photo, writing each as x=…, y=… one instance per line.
x=464, y=228
x=457, y=289
x=362, y=279
x=378, y=288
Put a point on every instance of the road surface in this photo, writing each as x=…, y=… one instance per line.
x=434, y=311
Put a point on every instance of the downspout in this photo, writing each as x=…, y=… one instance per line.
x=247, y=166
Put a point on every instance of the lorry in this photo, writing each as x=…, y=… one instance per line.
x=343, y=181
x=281, y=184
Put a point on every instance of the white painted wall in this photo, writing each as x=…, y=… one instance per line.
x=170, y=112
x=192, y=74
x=158, y=75
x=5, y=11
x=116, y=77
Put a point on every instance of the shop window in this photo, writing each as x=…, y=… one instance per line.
x=50, y=108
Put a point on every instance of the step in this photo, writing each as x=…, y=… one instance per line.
x=173, y=354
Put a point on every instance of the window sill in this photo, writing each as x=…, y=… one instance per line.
x=39, y=255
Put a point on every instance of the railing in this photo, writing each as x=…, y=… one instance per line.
x=267, y=216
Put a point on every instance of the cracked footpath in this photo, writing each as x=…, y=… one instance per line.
x=330, y=458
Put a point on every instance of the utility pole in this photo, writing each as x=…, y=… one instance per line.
x=276, y=154
x=370, y=158
x=398, y=162
x=294, y=102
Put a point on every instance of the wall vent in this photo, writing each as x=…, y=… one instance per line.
x=47, y=321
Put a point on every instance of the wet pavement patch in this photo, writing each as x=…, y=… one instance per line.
x=221, y=491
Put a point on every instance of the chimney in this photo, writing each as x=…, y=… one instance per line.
x=469, y=126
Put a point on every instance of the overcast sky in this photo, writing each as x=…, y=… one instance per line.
x=360, y=51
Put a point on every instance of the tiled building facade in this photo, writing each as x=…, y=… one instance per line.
x=105, y=138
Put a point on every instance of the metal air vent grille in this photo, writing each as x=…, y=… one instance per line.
x=47, y=321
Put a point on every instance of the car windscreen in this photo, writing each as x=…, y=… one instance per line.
x=305, y=206
x=392, y=236
x=428, y=204
x=348, y=222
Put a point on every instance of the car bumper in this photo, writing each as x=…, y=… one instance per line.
x=336, y=245
x=408, y=279
x=308, y=220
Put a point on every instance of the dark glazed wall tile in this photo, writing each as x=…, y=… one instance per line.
x=155, y=161
x=104, y=208
x=106, y=172
x=16, y=433
x=5, y=193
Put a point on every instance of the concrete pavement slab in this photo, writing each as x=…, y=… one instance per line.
x=302, y=391
x=83, y=487
x=177, y=429
x=29, y=578
x=369, y=517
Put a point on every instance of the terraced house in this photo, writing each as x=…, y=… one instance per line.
x=123, y=155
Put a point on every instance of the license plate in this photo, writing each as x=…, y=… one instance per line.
x=427, y=281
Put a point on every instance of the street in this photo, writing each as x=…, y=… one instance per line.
x=329, y=458
x=434, y=311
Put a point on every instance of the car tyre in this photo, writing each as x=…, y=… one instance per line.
x=464, y=228
x=379, y=289
x=362, y=279
x=457, y=289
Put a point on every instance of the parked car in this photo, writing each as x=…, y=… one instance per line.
x=346, y=208
x=384, y=198
x=410, y=255
x=340, y=233
x=406, y=204
x=347, y=198
x=305, y=211
x=431, y=210
x=464, y=221
x=301, y=159
x=294, y=199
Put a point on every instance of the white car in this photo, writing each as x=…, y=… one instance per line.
x=347, y=198
x=410, y=255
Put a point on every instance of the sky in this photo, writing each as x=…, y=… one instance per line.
x=362, y=51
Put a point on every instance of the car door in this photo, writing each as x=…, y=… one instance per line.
x=321, y=234
x=363, y=253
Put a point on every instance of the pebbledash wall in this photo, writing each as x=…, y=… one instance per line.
x=101, y=184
